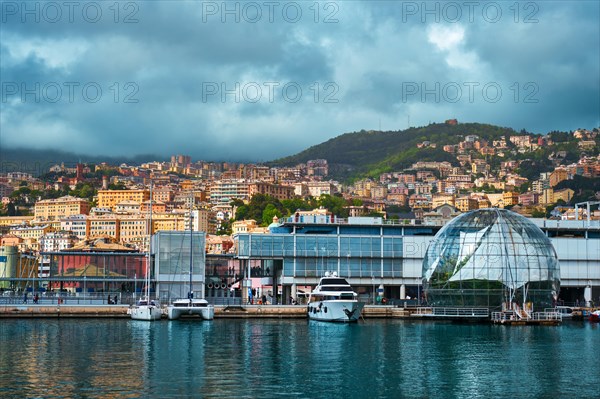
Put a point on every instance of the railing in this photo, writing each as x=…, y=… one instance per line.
x=47, y=299
x=328, y=220
x=502, y=316
x=536, y=316
x=453, y=312
x=424, y=310
x=461, y=312
x=552, y=316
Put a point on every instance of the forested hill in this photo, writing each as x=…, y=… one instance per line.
x=369, y=153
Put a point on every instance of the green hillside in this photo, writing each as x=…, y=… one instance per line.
x=363, y=153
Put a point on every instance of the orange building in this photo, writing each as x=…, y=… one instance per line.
x=110, y=198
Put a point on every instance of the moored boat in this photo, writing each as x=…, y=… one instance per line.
x=146, y=308
x=334, y=300
x=192, y=306
x=595, y=316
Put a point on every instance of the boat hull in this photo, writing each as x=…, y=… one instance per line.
x=145, y=312
x=202, y=309
x=341, y=311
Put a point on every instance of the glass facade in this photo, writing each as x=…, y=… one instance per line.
x=311, y=255
x=172, y=253
x=172, y=262
x=490, y=256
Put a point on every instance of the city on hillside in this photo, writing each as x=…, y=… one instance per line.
x=540, y=176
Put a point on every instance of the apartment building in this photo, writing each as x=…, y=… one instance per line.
x=441, y=199
x=318, y=188
x=110, y=198
x=274, y=190
x=223, y=191
x=510, y=198
x=57, y=241
x=466, y=203
x=31, y=233
x=57, y=208
x=557, y=176
x=76, y=225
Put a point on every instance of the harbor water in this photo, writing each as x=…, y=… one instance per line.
x=259, y=358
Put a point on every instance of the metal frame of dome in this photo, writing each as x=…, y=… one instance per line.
x=488, y=257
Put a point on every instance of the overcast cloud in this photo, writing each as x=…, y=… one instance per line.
x=162, y=68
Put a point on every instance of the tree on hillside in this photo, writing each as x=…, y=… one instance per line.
x=269, y=213
x=334, y=204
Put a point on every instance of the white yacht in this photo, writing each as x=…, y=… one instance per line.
x=334, y=300
x=146, y=308
x=191, y=306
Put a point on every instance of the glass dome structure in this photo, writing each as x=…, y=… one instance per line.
x=488, y=257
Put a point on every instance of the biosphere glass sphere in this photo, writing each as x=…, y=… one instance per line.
x=487, y=257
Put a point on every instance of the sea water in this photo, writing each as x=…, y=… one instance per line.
x=267, y=358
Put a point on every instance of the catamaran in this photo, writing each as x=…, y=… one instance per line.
x=191, y=305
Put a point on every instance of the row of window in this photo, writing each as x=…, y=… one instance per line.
x=319, y=246
x=348, y=268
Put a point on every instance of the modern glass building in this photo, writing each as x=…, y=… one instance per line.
x=488, y=257
x=378, y=259
x=176, y=255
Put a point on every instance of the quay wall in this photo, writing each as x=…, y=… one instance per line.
x=233, y=312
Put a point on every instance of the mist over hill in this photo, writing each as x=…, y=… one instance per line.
x=37, y=162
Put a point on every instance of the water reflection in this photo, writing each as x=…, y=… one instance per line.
x=294, y=358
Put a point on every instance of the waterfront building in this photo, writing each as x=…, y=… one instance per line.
x=489, y=257
x=172, y=259
x=99, y=264
x=372, y=253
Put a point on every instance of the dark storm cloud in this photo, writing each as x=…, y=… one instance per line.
x=175, y=78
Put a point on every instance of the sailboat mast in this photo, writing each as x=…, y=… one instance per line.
x=149, y=255
x=191, y=292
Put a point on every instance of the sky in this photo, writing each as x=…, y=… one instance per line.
x=254, y=81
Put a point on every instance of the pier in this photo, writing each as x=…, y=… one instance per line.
x=291, y=312
x=233, y=312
